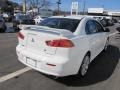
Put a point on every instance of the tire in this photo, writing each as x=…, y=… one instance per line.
x=84, y=66
x=3, y=29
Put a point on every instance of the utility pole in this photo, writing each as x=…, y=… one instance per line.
x=45, y=4
x=84, y=6
x=24, y=6
x=58, y=3
x=103, y=6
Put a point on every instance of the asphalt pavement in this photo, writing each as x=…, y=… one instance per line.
x=103, y=73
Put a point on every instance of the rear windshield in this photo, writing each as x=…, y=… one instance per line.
x=61, y=23
x=23, y=17
x=28, y=22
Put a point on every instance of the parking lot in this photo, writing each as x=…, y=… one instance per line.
x=103, y=74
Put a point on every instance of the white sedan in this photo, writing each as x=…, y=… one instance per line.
x=62, y=46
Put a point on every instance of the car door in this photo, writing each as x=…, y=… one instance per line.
x=101, y=34
x=93, y=38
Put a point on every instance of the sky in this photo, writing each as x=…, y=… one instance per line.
x=66, y=4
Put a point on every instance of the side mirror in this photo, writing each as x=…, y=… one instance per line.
x=118, y=29
x=107, y=30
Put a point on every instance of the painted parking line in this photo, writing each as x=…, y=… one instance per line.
x=14, y=74
x=113, y=33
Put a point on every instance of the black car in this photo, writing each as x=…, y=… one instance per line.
x=7, y=16
x=107, y=22
x=2, y=25
x=22, y=19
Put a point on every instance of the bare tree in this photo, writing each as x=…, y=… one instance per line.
x=38, y=3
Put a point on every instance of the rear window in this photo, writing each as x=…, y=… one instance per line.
x=61, y=23
x=29, y=22
x=23, y=17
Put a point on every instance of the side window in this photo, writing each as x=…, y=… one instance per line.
x=90, y=27
x=99, y=27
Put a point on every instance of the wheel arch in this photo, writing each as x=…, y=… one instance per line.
x=89, y=53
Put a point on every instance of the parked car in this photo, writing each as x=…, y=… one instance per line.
x=38, y=19
x=7, y=16
x=104, y=22
x=62, y=46
x=118, y=29
x=22, y=19
x=101, y=19
x=114, y=20
x=107, y=22
x=118, y=21
x=2, y=24
x=110, y=22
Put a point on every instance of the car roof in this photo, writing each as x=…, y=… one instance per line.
x=79, y=17
x=70, y=17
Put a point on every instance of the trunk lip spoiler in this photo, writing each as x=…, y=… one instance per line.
x=39, y=29
x=48, y=30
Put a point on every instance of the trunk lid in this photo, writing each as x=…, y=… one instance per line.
x=36, y=38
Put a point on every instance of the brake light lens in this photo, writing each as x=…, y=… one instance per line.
x=65, y=43
x=20, y=35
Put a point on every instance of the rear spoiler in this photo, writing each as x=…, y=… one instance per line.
x=38, y=28
x=46, y=30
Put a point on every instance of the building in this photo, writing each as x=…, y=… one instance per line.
x=103, y=12
x=114, y=13
x=96, y=11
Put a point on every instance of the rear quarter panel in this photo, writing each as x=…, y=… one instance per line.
x=79, y=51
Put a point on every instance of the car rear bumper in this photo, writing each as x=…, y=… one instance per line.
x=55, y=66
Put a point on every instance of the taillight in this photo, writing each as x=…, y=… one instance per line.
x=20, y=35
x=65, y=43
